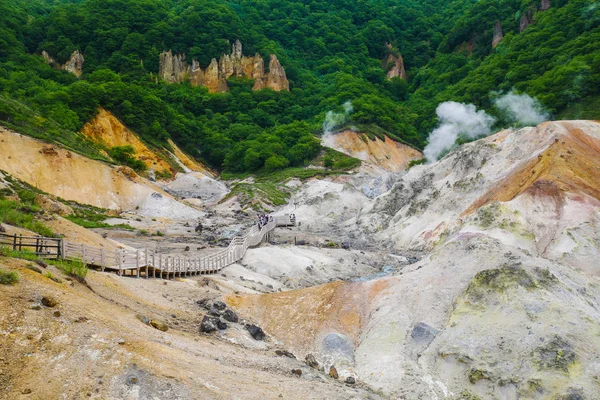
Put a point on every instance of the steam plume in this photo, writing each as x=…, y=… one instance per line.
x=456, y=119
x=522, y=109
x=333, y=120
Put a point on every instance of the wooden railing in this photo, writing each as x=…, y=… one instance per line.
x=148, y=261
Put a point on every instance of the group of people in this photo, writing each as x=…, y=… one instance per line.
x=263, y=220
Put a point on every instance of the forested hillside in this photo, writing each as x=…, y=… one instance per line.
x=332, y=52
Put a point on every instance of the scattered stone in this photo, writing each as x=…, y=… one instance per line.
x=423, y=333
x=49, y=301
x=221, y=325
x=297, y=372
x=164, y=283
x=133, y=380
x=256, y=332
x=333, y=372
x=83, y=319
x=26, y=391
x=121, y=341
x=219, y=305
x=187, y=248
x=209, y=324
x=41, y=263
x=143, y=318
x=350, y=380
x=36, y=307
x=161, y=326
x=56, y=314
x=229, y=315
x=285, y=353
x=311, y=361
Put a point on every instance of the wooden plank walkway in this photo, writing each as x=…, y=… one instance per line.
x=147, y=262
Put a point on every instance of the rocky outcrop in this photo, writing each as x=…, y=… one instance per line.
x=498, y=35
x=526, y=19
x=545, y=5
x=276, y=79
x=73, y=65
x=174, y=68
x=393, y=64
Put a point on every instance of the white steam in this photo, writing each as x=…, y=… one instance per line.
x=521, y=109
x=333, y=120
x=456, y=119
x=459, y=119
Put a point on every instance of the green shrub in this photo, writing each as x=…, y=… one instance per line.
x=8, y=277
x=22, y=215
x=75, y=267
x=124, y=155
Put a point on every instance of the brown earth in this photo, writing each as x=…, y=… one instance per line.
x=71, y=176
x=107, y=130
x=91, y=345
x=387, y=154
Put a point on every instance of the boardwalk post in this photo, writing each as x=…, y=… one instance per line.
x=146, y=251
x=102, y=259
x=15, y=243
x=120, y=261
x=137, y=262
x=83, y=252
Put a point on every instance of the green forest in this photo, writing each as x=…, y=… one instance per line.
x=332, y=52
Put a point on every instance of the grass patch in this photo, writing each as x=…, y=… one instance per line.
x=336, y=160
x=75, y=268
x=24, y=216
x=8, y=277
x=17, y=116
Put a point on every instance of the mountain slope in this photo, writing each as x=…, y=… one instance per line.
x=503, y=301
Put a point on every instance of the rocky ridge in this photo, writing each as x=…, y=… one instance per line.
x=393, y=64
x=73, y=65
x=174, y=68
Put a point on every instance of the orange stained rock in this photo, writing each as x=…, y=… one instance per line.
x=571, y=164
x=106, y=129
x=301, y=317
x=387, y=154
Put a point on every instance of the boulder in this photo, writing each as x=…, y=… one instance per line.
x=297, y=372
x=161, y=326
x=221, y=325
x=209, y=324
x=256, y=332
x=333, y=372
x=350, y=380
x=311, y=361
x=49, y=301
x=230, y=316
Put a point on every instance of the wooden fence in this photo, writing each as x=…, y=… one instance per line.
x=42, y=246
x=147, y=261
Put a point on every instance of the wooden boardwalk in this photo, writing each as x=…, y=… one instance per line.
x=146, y=262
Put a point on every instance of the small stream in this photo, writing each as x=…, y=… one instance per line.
x=387, y=270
